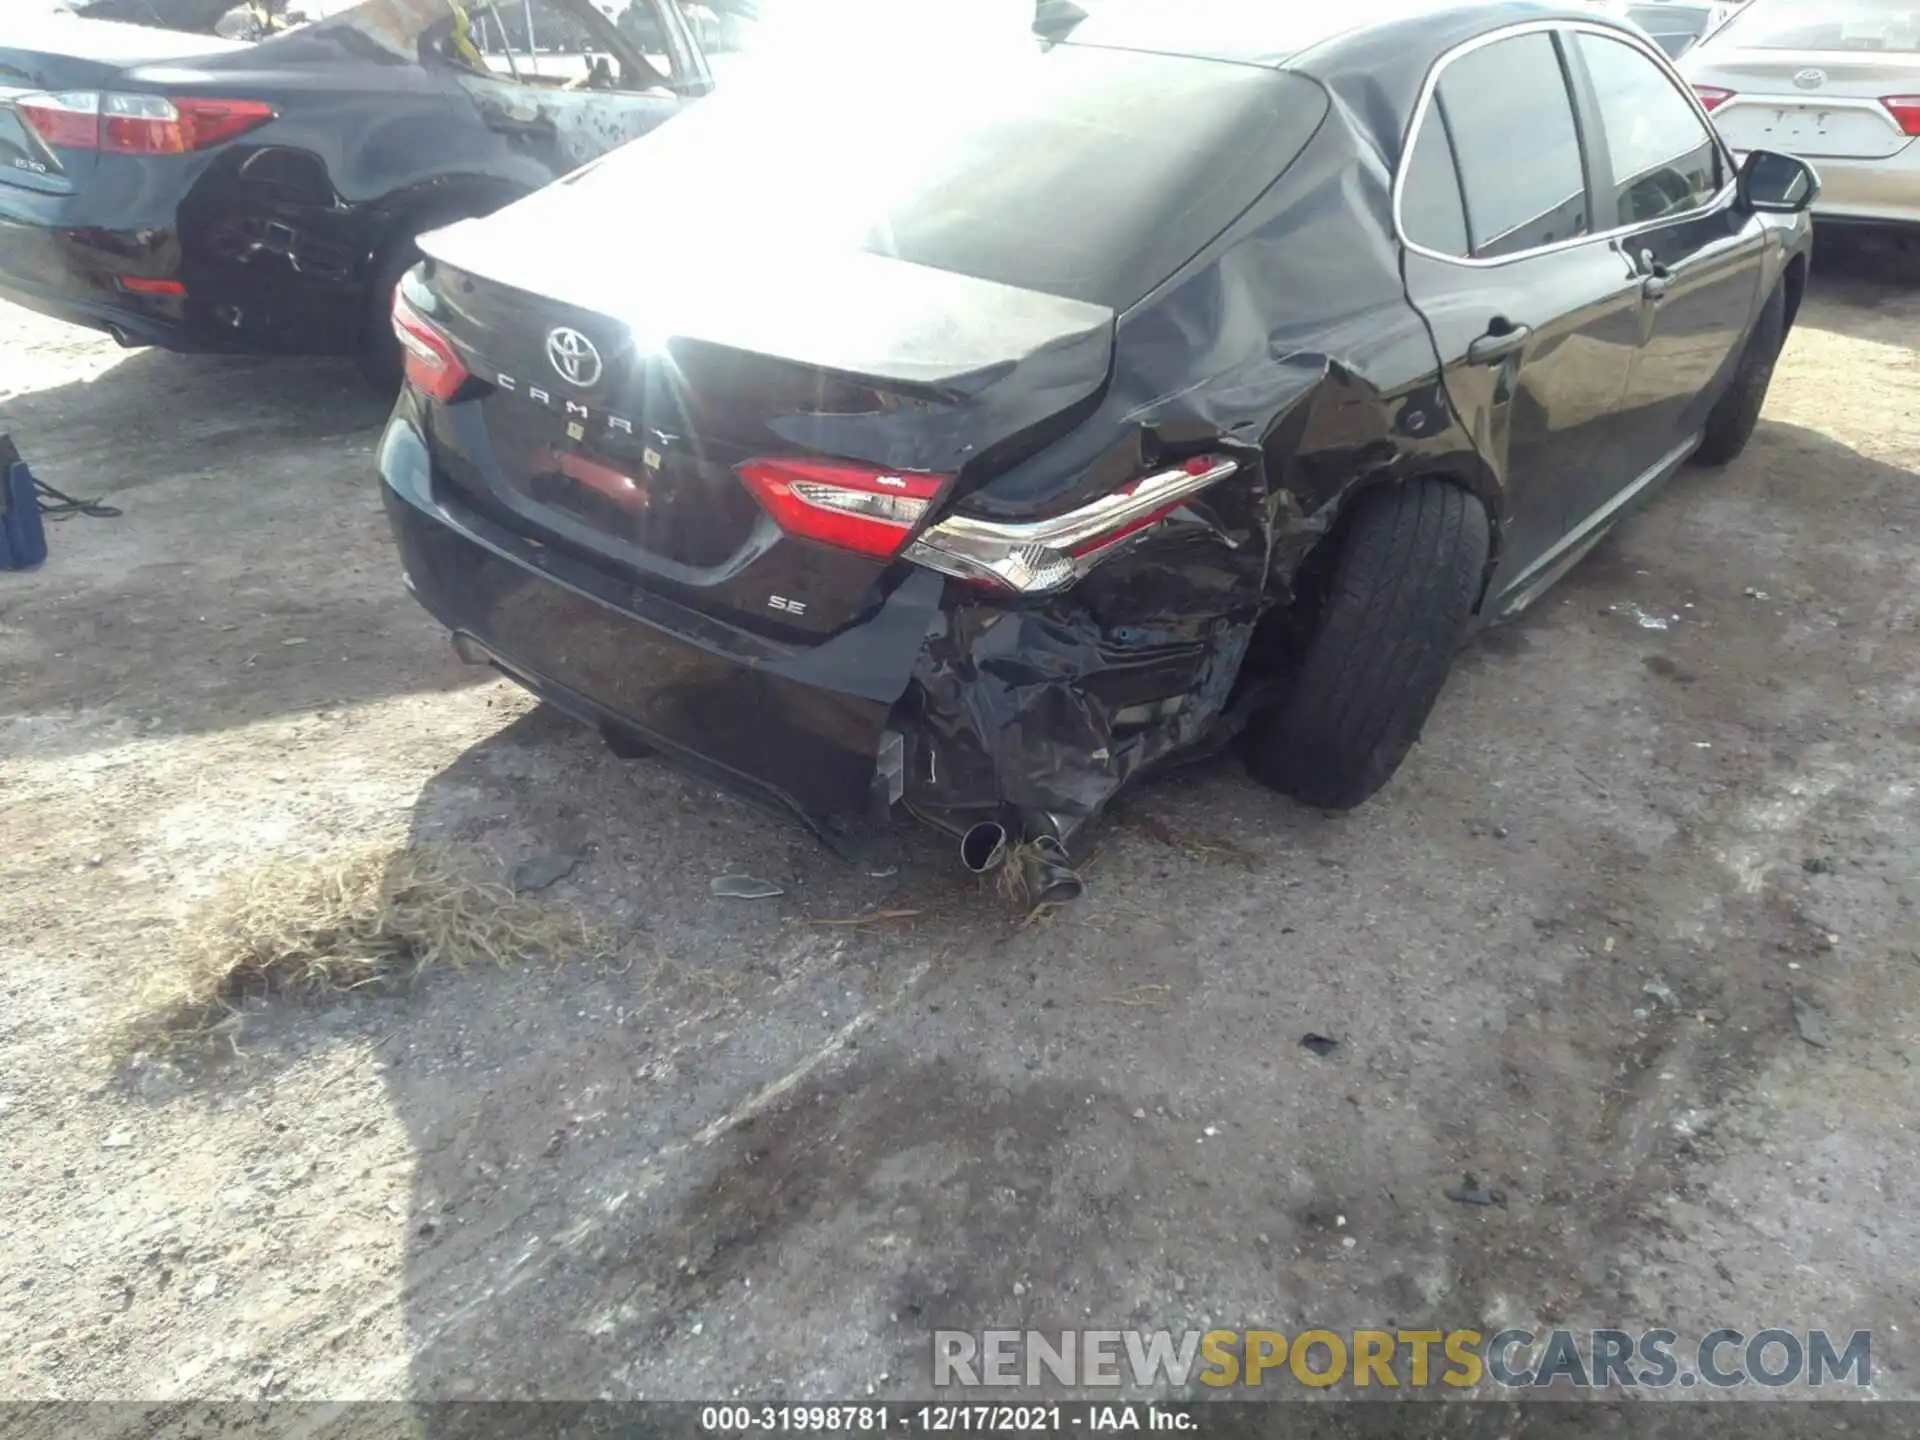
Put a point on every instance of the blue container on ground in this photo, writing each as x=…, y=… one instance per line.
x=23, y=536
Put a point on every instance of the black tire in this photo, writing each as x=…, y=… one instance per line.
x=378, y=352
x=1402, y=593
x=1731, y=422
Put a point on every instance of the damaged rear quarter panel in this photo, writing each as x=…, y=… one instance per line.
x=1319, y=378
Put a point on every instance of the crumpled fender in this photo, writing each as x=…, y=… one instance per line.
x=1320, y=378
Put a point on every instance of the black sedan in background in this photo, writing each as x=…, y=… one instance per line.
x=974, y=450
x=198, y=193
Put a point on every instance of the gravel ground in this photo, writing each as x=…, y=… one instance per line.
x=1561, y=952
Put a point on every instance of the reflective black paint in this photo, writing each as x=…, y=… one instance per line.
x=1306, y=341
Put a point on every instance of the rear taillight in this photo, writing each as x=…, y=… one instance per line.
x=1712, y=97
x=854, y=507
x=432, y=367
x=1905, y=109
x=1037, y=556
x=70, y=122
x=138, y=124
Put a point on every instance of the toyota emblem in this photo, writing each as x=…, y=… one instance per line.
x=573, y=357
x=1810, y=79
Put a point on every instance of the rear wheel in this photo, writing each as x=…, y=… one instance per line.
x=379, y=351
x=1731, y=422
x=1402, y=593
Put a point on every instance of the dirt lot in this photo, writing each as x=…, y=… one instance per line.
x=1560, y=953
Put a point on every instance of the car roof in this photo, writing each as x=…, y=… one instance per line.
x=1292, y=36
x=1373, y=55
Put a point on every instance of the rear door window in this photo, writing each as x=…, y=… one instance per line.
x=1664, y=159
x=550, y=45
x=1509, y=111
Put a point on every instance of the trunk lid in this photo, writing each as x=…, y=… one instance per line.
x=774, y=276
x=60, y=54
x=1823, y=105
x=622, y=390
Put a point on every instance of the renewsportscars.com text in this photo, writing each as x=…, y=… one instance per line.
x=1723, y=1359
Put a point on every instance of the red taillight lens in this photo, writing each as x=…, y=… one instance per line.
x=68, y=122
x=143, y=285
x=1906, y=110
x=139, y=124
x=854, y=507
x=1712, y=97
x=149, y=125
x=432, y=366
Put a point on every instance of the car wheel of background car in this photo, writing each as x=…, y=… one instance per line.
x=379, y=351
x=1730, y=423
x=1402, y=591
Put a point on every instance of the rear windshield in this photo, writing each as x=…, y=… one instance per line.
x=1085, y=173
x=1868, y=25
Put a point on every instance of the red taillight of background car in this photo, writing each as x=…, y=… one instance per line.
x=1712, y=96
x=1905, y=109
x=147, y=285
x=432, y=367
x=853, y=507
x=138, y=124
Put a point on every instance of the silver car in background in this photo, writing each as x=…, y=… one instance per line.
x=1835, y=82
x=1676, y=26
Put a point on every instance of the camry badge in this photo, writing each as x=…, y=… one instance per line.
x=573, y=357
x=1810, y=79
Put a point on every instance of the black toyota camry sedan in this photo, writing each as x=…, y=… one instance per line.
x=970, y=450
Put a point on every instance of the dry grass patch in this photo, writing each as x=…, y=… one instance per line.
x=372, y=919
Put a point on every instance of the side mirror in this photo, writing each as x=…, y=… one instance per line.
x=1053, y=20
x=1777, y=184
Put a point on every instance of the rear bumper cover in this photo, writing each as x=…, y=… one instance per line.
x=804, y=731
x=64, y=274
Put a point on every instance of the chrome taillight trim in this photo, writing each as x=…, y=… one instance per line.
x=968, y=548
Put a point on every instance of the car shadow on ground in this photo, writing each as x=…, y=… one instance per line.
x=249, y=574
x=1865, y=284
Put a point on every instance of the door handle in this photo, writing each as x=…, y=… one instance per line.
x=1500, y=341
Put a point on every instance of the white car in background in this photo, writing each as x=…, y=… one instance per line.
x=1675, y=25
x=1835, y=82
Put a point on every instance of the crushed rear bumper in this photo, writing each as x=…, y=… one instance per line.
x=945, y=702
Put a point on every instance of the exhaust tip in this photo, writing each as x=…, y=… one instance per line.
x=468, y=649
x=120, y=337
x=1046, y=875
x=984, y=847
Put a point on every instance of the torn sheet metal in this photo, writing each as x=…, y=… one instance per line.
x=1040, y=713
x=394, y=26
x=1321, y=377
x=566, y=128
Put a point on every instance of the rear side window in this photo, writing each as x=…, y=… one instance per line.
x=1094, y=174
x=1432, y=214
x=1509, y=112
x=1664, y=160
